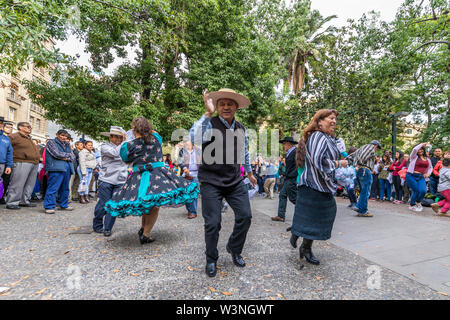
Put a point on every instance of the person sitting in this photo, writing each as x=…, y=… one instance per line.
x=443, y=189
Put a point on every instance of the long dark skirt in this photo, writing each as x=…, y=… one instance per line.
x=314, y=215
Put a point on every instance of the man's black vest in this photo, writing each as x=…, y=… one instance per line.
x=291, y=167
x=225, y=174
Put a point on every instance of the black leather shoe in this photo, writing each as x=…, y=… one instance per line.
x=237, y=258
x=307, y=253
x=107, y=233
x=28, y=205
x=293, y=240
x=141, y=232
x=12, y=207
x=143, y=239
x=99, y=230
x=211, y=269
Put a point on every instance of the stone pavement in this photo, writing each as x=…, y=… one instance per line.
x=57, y=257
x=415, y=245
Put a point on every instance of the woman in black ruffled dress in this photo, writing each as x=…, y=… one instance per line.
x=151, y=185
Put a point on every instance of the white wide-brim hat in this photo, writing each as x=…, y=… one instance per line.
x=225, y=93
x=115, y=130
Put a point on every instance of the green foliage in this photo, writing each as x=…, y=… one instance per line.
x=26, y=26
x=184, y=48
x=366, y=70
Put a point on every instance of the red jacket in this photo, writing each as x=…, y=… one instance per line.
x=437, y=168
x=396, y=167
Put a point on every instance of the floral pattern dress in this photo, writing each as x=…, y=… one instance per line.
x=151, y=184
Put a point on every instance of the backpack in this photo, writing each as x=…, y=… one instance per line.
x=427, y=202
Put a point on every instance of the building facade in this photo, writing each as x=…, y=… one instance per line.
x=410, y=134
x=15, y=104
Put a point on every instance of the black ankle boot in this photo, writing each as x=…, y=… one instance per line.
x=305, y=251
x=293, y=240
x=141, y=232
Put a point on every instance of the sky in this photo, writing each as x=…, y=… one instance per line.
x=344, y=9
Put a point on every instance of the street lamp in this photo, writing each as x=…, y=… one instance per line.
x=394, y=129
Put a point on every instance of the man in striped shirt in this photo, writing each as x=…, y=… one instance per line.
x=364, y=160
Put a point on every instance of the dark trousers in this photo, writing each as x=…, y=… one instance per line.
x=351, y=194
x=375, y=189
x=105, y=193
x=289, y=190
x=397, y=181
x=260, y=181
x=6, y=179
x=76, y=183
x=433, y=184
x=280, y=183
x=237, y=198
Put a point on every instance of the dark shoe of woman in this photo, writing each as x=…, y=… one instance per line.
x=307, y=253
x=143, y=239
x=293, y=240
x=141, y=232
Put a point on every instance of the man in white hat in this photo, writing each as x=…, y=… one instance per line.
x=224, y=149
x=113, y=174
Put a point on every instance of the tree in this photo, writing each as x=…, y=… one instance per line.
x=25, y=29
x=301, y=41
x=178, y=58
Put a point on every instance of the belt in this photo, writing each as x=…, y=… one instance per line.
x=145, y=179
x=148, y=166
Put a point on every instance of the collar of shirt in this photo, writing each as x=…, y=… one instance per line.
x=225, y=122
x=289, y=151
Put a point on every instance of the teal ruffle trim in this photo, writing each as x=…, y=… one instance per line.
x=144, y=204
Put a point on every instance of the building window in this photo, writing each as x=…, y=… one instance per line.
x=12, y=94
x=31, y=121
x=38, y=124
x=12, y=114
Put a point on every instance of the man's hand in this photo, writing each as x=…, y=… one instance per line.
x=8, y=171
x=186, y=171
x=252, y=179
x=208, y=104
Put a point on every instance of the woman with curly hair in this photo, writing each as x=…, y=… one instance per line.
x=151, y=185
x=315, y=207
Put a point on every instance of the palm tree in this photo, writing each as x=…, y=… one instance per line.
x=307, y=43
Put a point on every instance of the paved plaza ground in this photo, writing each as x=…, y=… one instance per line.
x=394, y=255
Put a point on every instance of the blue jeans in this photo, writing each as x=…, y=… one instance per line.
x=351, y=194
x=433, y=184
x=364, y=176
x=88, y=178
x=385, y=187
x=58, y=184
x=105, y=193
x=192, y=207
x=416, y=182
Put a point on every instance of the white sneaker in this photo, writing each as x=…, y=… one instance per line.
x=419, y=207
